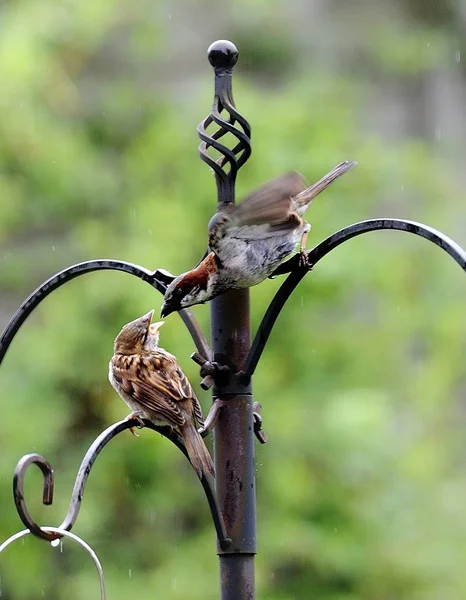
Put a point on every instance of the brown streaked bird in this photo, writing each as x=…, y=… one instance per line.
x=249, y=241
x=150, y=381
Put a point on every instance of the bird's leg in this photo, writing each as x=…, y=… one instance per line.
x=211, y=419
x=138, y=416
x=300, y=260
x=303, y=259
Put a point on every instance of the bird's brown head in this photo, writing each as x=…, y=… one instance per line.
x=138, y=335
x=194, y=287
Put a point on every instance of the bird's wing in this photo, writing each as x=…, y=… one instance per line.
x=197, y=410
x=267, y=212
x=272, y=202
x=157, y=383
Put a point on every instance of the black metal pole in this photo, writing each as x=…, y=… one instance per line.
x=234, y=447
x=230, y=340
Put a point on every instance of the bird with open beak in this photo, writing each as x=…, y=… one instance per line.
x=150, y=381
x=249, y=241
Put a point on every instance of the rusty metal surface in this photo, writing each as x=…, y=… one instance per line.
x=235, y=469
x=237, y=577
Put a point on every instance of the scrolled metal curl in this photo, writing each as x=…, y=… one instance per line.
x=223, y=56
x=81, y=479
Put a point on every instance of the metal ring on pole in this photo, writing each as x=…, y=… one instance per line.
x=63, y=533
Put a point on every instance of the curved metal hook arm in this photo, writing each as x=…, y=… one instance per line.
x=298, y=272
x=158, y=279
x=83, y=473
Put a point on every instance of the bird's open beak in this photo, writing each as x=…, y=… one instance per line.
x=166, y=310
x=147, y=318
x=154, y=328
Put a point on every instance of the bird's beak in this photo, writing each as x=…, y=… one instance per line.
x=147, y=318
x=166, y=310
x=154, y=328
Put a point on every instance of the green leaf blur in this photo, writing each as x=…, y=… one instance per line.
x=361, y=487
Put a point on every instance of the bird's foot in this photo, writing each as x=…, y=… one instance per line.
x=304, y=260
x=170, y=430
x=138, y=417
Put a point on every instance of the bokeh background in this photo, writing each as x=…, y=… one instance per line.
x=361, y=488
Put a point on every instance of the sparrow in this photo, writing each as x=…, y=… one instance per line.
x=150, y=381
x=247, y=242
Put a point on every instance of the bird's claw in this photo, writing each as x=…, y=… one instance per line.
x=138, y=417
x=260, y=435
x=304, y=260
x=170, y=430
x=297, y=261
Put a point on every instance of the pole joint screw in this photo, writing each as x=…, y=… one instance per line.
x=211, y=371
x=260, y=435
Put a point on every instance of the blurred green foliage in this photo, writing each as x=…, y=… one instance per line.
x=361, y=487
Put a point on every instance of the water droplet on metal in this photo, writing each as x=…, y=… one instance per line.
x=55, y=543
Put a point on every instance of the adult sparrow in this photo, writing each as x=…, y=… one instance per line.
x=150, y=381
x=249, y=241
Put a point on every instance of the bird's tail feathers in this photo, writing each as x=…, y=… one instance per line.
x=305, y=197
x=197, y=451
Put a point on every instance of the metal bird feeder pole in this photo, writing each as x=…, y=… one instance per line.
x=230, y=339
x=229, y=365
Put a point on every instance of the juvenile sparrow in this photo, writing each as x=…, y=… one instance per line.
x=249, y=241
x=152, y=384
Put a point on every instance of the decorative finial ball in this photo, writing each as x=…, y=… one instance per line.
x=222, y=54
